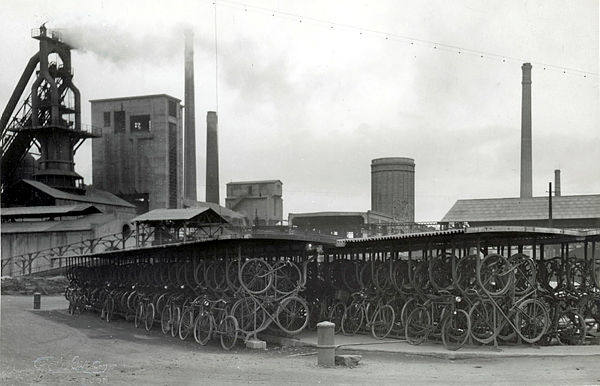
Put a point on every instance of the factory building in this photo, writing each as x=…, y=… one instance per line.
x=577, y=211
x=581, y=211
x=343, y=224
x=259, y=201
x=45, y=203
x=393, y=187
x=139, y=156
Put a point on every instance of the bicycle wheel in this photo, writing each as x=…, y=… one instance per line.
x=418, y=325
x=149, y=319
x=165, y=319
x=456, y=329
x=336, y=314
x=353, y=319
x=139, y=314
x=287, y=277
x=249, y=315
x=229, y=332
x=407, y=308
x=571, y=328
x=256, y=276
x=108, y=308
x=525, y=273
x=292, y=315
x=176, y=318
x=186, y=324
x=481, y=317
x=495, y=274
x=383, y=322
x=532, y=320
x=203, y=327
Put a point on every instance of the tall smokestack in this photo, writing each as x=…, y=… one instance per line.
x=526, y=168
x=212, y=158
x=557, y=182
x=189, y=180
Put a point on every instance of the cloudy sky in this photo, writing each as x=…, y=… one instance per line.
x=311, y=103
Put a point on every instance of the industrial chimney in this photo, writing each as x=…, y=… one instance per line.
x=212, y=158
x=189, y=179
x=526, y=168
x=557, y=182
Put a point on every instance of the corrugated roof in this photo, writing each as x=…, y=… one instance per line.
x=92, y=195
x=46, y=211
x=535, y=208
x=86, y=223
x=474, y=230
x=253, y=182
x=223, y=211
x=151, y=96
x=400, y=236
x=175, y=215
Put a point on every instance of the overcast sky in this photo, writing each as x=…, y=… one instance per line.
x=311, y=103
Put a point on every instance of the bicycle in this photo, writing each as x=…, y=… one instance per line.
x=379, y=317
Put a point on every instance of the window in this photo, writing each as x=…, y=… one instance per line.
x=172, y=165
x=106, y=118
x=140, y=123
x=172, y=108
x=119, y=121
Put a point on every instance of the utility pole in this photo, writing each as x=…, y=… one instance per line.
x=550, y=204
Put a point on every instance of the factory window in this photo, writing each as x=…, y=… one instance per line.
x=106, y=118
x=172, y=108
x=119, y=121
x=140, y=123
x=172, y=165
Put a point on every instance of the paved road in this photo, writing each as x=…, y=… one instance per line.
x=51, y=347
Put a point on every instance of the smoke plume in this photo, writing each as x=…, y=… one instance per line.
x=122, y=45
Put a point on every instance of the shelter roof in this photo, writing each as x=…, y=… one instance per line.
x=48, y=211
x=86, y=223
x=197, y=215
x=535, y=208
x=92, y=195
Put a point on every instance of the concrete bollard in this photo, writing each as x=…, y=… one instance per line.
x=325, y=344
x=37, y=300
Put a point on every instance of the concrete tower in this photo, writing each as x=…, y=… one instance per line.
x=189, y=180
x=393, y=187
x=526, y=167
x=212, y=158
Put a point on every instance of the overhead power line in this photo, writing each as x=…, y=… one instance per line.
x=398, y=37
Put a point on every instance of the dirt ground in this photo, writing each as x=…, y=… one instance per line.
x=52, y=347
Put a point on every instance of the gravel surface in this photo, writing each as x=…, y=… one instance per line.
x=52, y=347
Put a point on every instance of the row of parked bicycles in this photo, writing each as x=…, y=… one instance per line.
x=459, y=300
x=440, y=296
x=207, y=299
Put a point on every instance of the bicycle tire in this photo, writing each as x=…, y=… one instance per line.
x=255, y=276
x=203, y=328
x=418, y=325
x=292, y=315
x=186, y=323
x=149, y=319
x=176, y=317
x=386, y=323
x=139, y=313
x=452, y=323
x=165, y=319
x=352, y=320
x=229, y=332
x=540, y=313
